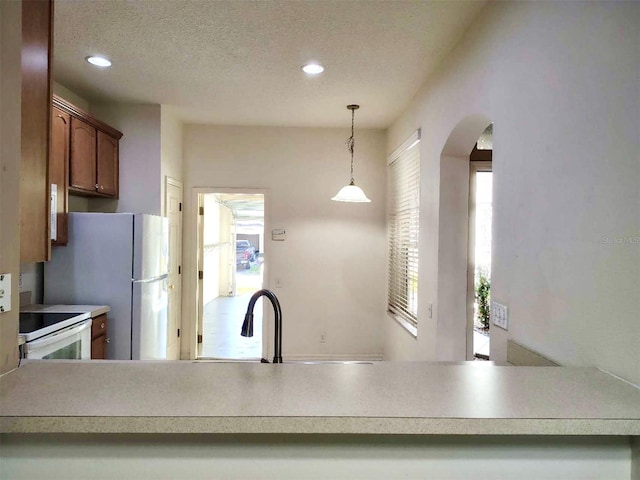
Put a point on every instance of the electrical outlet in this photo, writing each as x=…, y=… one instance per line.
x=500, y=315
x=5, y=292
x=323, y=337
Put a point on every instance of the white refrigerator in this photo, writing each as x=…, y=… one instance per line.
x=120, y=260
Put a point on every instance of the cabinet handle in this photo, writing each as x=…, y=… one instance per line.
x=107, y=340
x=63, y=119
x=97, y=186
x=102, y=325
x=171, y=286
x=101, y=187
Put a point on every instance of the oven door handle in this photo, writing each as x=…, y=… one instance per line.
x=60, y=335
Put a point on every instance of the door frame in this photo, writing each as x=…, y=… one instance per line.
x=194, y=290
x=177, y=183
x=475, y=166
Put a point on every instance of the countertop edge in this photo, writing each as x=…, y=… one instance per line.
x=91, y=310
x=319, y=425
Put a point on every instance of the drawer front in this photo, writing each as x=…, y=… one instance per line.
x=99, y=326
x=99, y=348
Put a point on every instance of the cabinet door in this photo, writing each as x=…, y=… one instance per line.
x=83, y=156
x=59, y=169
x=107, y=165
x=35, y=205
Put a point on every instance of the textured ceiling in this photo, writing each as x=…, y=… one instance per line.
x=238, y=62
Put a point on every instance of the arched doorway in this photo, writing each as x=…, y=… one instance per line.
x=455, y=258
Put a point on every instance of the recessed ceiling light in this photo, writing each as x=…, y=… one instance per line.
x=313, y=68
x=98, y=61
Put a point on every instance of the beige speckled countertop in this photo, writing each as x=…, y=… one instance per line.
x=378, y=398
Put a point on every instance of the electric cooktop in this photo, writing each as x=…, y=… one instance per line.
x=37, y=324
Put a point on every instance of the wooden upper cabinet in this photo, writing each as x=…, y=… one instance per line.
x=59, y=169
x=83, y=156
x=35, y=203
x=107, y=165
x=93, y=152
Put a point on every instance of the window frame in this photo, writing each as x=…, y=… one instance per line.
x=402, y=301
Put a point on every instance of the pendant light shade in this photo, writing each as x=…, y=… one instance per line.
x=351, y=193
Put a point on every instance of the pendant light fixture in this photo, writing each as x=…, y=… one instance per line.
x=351, y=193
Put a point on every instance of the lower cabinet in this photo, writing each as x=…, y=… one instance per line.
x=99, y=338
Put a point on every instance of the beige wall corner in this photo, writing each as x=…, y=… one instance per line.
x=565, y=257
x=332, y=264
x=170, y=149
x=10, y=106
x=70, y=96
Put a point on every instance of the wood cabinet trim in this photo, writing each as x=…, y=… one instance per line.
x=77, y=112
x=37, y=35
x=59, y=168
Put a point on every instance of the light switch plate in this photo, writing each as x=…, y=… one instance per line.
x=500, y=315
x=5, y=292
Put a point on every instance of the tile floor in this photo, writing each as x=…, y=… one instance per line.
x=223, y=317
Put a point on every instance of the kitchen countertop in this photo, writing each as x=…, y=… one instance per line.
x=92, y=310
x=379, y=398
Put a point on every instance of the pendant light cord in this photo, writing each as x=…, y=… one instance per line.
x=351, y=143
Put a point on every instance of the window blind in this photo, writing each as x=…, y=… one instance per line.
x=404, y=229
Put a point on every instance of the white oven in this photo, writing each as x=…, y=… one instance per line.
x=72, y=342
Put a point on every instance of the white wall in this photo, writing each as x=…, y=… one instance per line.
x=560, y=81
x=70, y=96
x=170, y=149
x=211, y=260
x=333, y=262
x=227, y=253
x=10, y=115
x=453, y=232
x=32, y=280
x=140, y=157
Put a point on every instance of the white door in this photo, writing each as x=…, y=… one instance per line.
x=173, y=211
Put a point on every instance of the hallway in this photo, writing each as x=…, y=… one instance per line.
x=223, y=317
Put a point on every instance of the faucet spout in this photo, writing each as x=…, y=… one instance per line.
x=247, y=325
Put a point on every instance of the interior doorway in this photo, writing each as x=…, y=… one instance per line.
x=231, y=262
x=456, y=244
x=480, y=225
x=173, y=211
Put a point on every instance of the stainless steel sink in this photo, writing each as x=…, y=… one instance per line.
x=328, y=362
x=299, y=362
